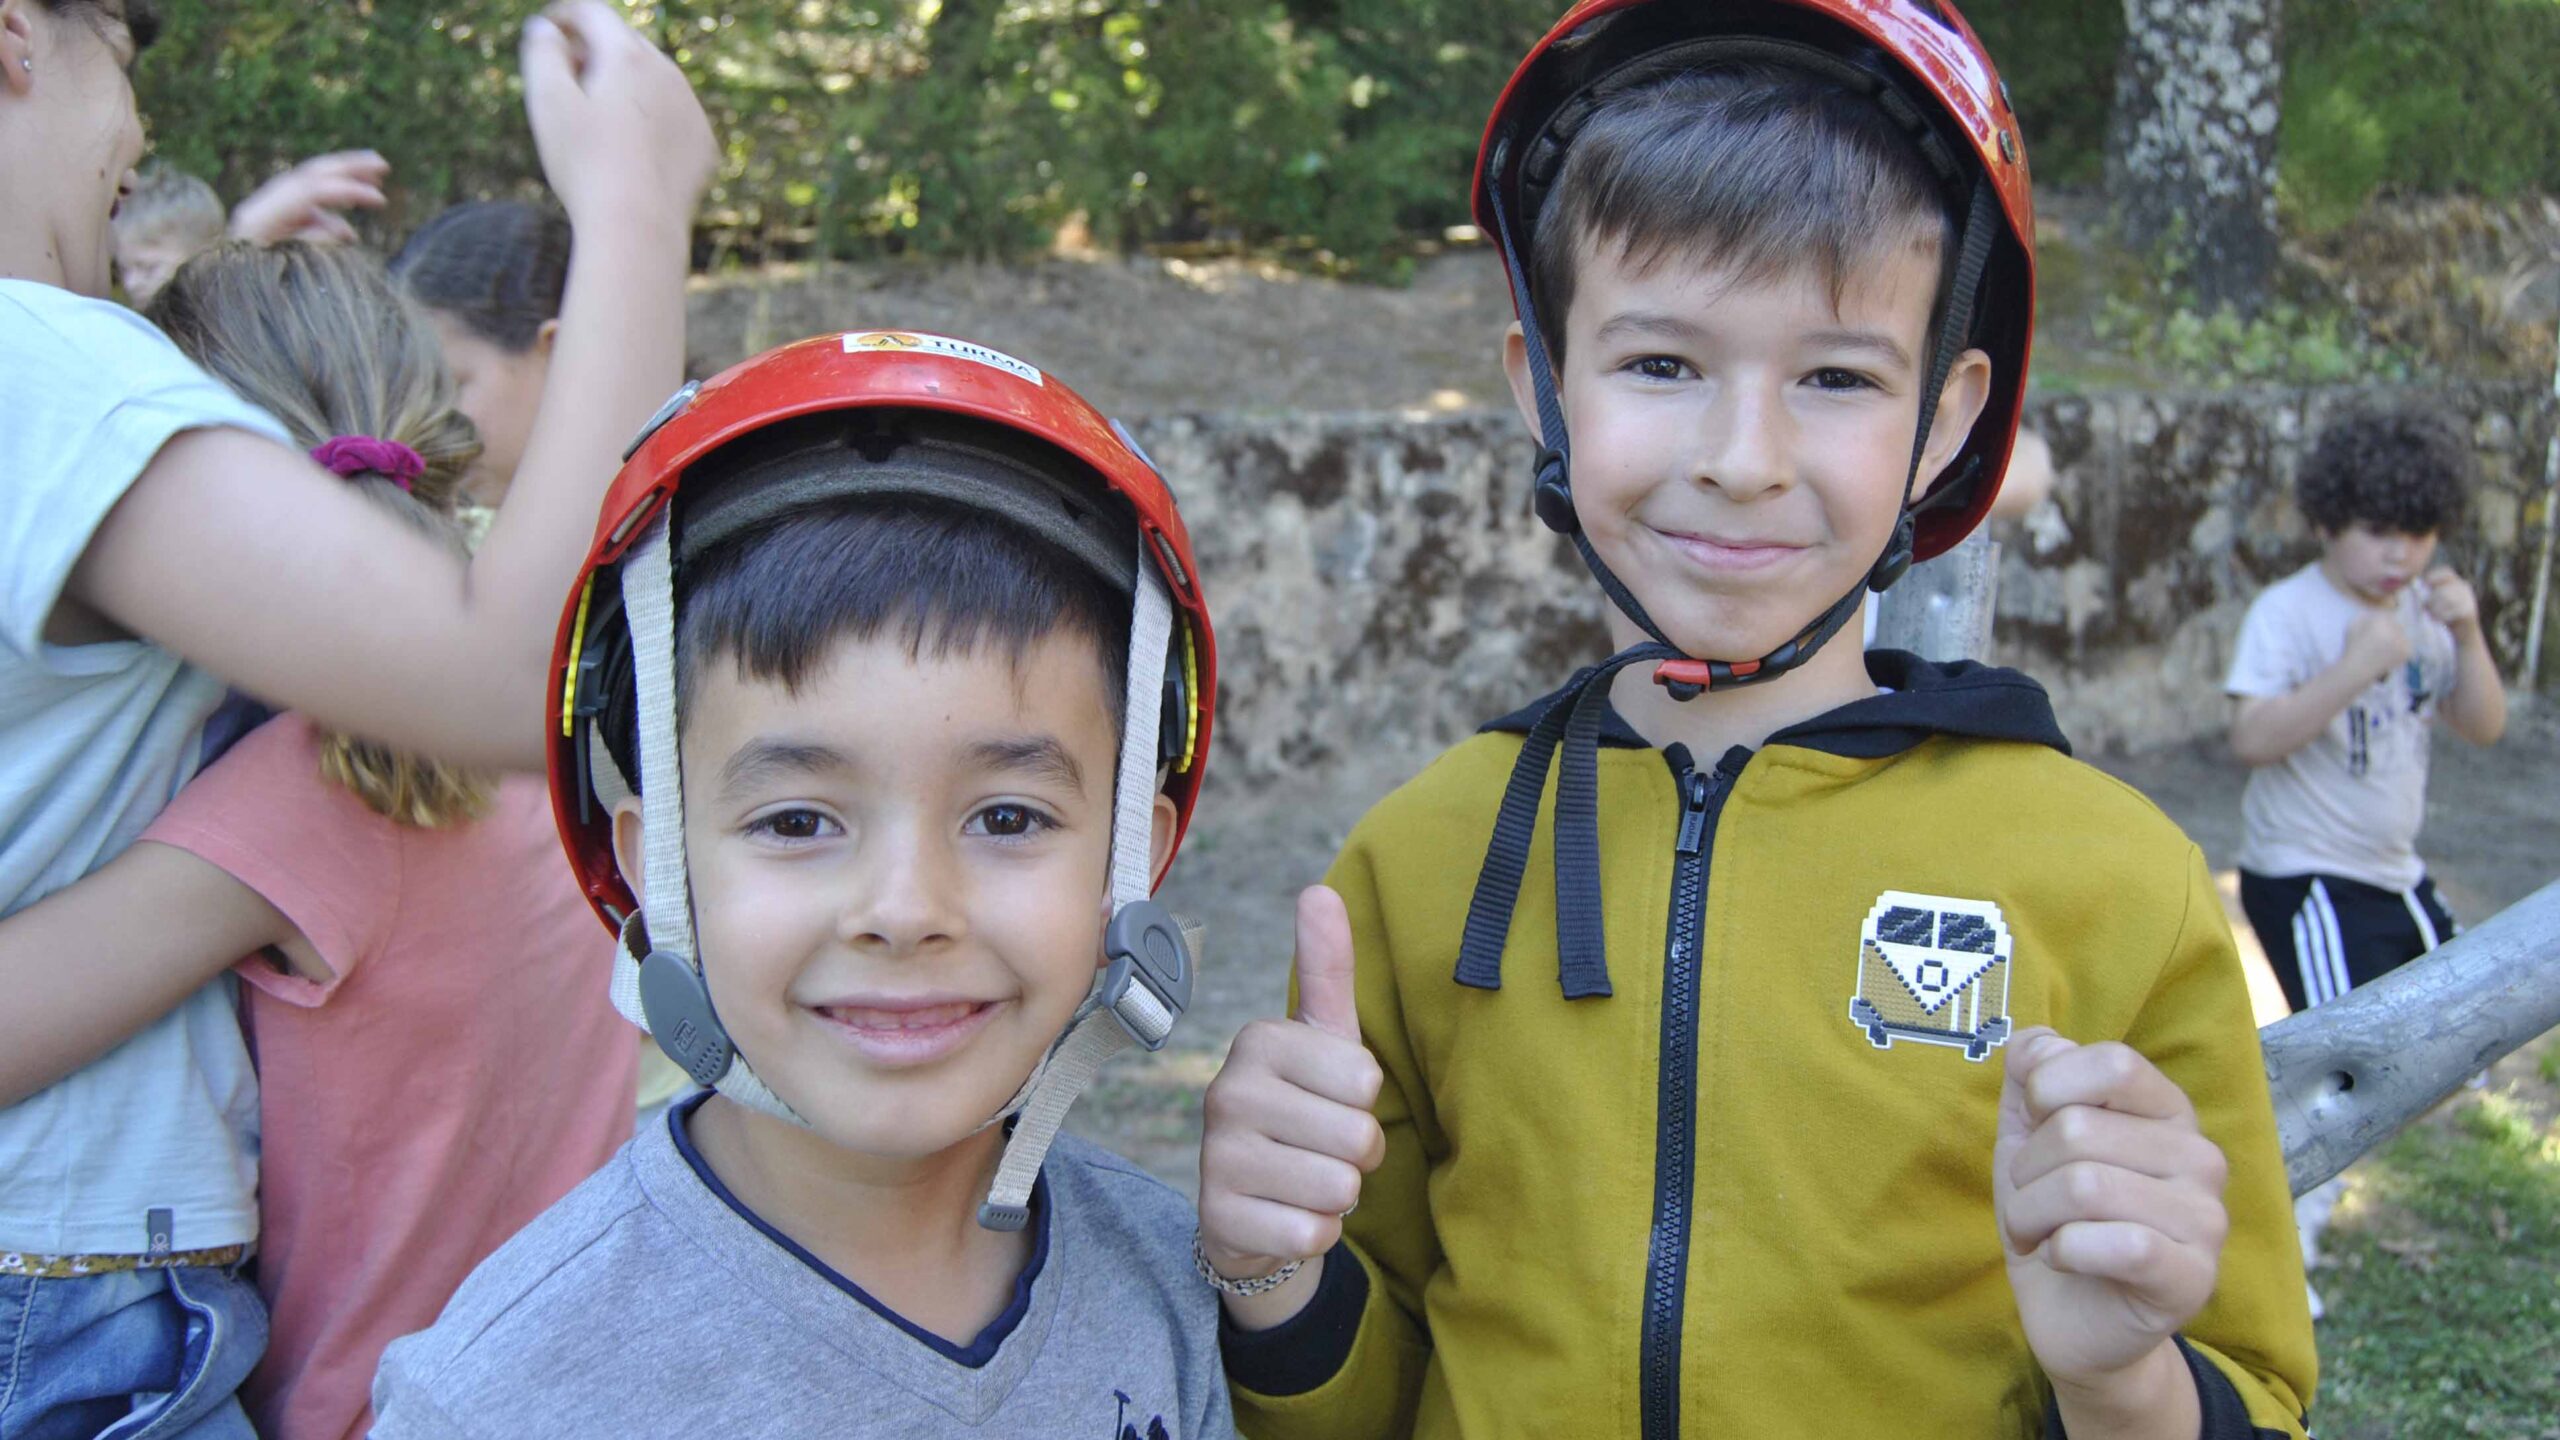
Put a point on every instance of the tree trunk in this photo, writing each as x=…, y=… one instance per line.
x=2191, y=150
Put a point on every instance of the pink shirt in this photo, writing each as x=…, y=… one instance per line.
x=463, y=1071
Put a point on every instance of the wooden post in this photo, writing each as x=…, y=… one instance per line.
x=2349, y=1074
x=1941, y=610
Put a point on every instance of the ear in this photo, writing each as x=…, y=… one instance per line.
x=1524, y=390
x=17, y=46
x=1959, y=405
x=543, y=338
x=629, y=832
x=1160, y=839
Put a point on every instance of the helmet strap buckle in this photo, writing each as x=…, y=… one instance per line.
x=1895, y=562
x=677, y=1003
x=1551, y=494
x=1149, y=983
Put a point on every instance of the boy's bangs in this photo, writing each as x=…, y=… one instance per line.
x=1759, y=172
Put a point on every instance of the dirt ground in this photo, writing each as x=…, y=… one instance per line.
x=2493, y=836
x=1150, y=335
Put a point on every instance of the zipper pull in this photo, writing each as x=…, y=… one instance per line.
x=1693, y=813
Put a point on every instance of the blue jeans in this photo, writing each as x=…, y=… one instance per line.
x=130, y=1355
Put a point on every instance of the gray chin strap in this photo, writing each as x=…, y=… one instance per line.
x=1140, y=995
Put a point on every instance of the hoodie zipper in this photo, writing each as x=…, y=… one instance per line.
x=1702, y=799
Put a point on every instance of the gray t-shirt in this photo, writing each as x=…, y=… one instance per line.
x=2350, y=802
x=647, y=1302
x=153, y=1144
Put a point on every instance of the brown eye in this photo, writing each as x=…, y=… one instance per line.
x=1011, y=820
x=792, y=825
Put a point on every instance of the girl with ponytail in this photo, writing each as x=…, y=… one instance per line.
x=423, y=985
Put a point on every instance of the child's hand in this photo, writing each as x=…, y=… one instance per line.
x=304, y=202
x=2450, y=599
x=2378, y=643
x=2109, y=1202
x=1289, y=1133
x=622, y=136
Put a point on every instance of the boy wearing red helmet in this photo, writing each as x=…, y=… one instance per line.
x=882, y=703
x=1732, y=1095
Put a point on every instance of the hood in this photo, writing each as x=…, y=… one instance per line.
x=1962, y=698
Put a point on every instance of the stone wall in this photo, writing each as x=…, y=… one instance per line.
x=1381, y=586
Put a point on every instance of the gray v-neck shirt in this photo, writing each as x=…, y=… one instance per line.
x=647, y=1302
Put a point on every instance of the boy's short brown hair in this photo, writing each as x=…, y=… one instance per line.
x=2400, y=471
x=1758, y=168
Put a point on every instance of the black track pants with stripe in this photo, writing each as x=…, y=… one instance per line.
x=2326, y=935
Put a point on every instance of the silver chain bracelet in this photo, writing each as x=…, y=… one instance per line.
x=1258, y=1285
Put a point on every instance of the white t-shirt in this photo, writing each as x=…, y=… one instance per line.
x=2351, y=801
x=94, y=740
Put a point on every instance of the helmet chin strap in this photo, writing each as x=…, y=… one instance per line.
x=1141, y=991
x=1147, y=983
x=1566, y=736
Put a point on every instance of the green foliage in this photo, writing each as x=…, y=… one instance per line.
x=2426, y=96
x=2285, y=343
x=2150, y=316
x=1338, y=130
x=2059, y=58
x=948, y=127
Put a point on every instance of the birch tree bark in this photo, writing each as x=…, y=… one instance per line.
x=2191, y=152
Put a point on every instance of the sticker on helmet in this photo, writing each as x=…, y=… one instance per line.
x=916, y=342
x=1933, y=968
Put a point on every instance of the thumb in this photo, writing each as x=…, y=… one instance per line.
x=1325, y=996
x=550, y=70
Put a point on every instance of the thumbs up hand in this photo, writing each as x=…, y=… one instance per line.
x=1289, y=1132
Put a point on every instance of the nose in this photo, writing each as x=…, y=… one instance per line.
x=1748, y=443
x=904, y=899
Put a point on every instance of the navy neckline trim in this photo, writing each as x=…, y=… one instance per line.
x=978, y=1351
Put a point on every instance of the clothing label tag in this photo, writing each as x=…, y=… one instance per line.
x=915, y=342
x=158, y=1227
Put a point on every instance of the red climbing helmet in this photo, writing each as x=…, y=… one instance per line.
x=864, y=370
x=903, y=417
x=1917, y=58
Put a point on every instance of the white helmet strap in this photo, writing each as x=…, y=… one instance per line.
x=657, y=981
x=1148, y=982
x=661, y=989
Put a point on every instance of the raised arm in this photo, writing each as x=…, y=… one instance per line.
x=2476, y=709
x=258, y=566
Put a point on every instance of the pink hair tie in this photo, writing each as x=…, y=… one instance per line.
x=353, y=455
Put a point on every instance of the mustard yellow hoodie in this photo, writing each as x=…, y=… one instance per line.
x=1748, y=1192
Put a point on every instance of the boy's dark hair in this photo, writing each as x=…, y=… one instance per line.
x=2399, y=471
x=946, y=579
x=141, y=17
x=1759, y=168
x=499, y=267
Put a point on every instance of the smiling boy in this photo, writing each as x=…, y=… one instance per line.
x=902, y=644
x=1832, y=1055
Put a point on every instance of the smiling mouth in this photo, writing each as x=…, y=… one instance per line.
x=907, y=1035
x=929, y=1017
x=1713, y=553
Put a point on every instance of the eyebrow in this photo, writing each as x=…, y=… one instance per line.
x=1040, y=756
x=759, y=761
x=1672, y=327
x=1649, y=322
x=1884, y=347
